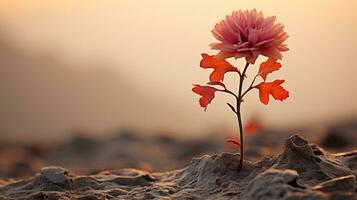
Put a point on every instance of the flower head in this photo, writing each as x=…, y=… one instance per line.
x=249, y=34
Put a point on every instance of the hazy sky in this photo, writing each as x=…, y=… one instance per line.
x=156, y=45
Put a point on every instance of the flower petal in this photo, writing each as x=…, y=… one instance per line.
x=249, y=30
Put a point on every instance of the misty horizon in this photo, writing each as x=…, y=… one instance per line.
x=78, y=67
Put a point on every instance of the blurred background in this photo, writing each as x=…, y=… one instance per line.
x=88, y=82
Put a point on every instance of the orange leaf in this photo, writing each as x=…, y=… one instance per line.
x=232, y=142
x=206, y=93
x=220, y=67
x=268, y=67
x=252, y=127
x=274, y=89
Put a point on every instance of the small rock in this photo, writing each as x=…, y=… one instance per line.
x=55, y=175
x=273, y=184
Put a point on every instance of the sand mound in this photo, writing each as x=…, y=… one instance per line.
x=301, y=171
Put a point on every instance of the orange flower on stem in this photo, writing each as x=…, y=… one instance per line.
x=244, y=34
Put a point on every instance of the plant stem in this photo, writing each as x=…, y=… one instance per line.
x=238, y=113
x=250, y=87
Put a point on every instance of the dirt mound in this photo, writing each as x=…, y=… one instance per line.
x=301, y=171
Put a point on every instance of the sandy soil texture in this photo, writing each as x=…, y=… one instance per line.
x=158, y=152
x=301, y=171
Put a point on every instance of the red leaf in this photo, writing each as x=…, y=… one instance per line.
x=232, y=142
x=252, y=127
x=206, y=93
x=268, y=67
x=272, y=88
x=220, y=67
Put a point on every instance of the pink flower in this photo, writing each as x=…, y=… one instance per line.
x=249, y=34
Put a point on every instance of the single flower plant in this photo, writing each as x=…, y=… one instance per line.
x=244, y=35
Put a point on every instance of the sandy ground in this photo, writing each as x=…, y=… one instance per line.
x=128, y=165
x=301, y=171
x=158, y=152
